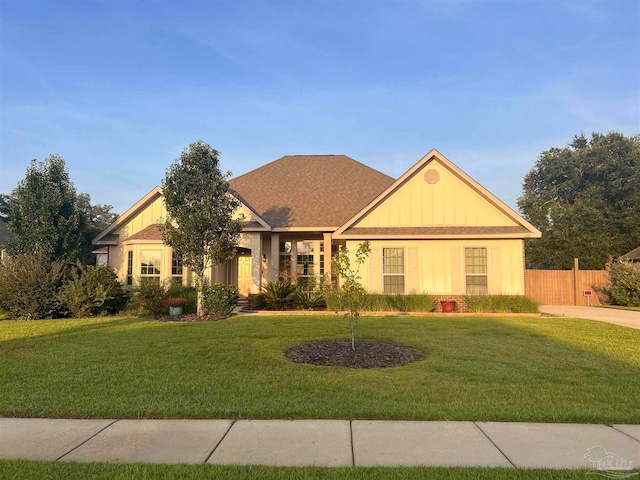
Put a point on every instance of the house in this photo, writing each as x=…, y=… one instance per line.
x=632, y=257
x=433, y=230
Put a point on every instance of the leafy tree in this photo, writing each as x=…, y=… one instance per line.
x=95, y=218
x=200, y=227
x=584, y=199
x=43, y=212
x=351, y=290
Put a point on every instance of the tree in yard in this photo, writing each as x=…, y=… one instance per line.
x=351, y=290
x=95, y=218
x=43, y=212
x=200, y=227
x=585, y=199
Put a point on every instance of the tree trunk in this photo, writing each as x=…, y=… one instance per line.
x=199, y=288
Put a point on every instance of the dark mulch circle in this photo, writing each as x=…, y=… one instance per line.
x=191, y=317
x=368, y=354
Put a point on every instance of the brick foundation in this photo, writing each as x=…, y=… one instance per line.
x=461, y=304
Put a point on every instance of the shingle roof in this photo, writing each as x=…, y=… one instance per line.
x=152, y=232
x=310, y=190
x=4, y=233
x=632, y=256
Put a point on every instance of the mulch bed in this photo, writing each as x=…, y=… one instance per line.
x=368, y=354
x=190, y=317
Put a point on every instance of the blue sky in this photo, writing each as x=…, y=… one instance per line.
x=119, y=88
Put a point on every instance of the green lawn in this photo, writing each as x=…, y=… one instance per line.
x=27, y=470
x=477, y=368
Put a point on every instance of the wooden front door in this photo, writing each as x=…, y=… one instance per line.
x=244, y=275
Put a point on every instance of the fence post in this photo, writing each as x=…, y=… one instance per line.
x=576, y=267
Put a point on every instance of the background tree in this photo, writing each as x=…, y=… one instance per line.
x=95, y=218
x=200, y=226
x=43, y=212
x=585, y=199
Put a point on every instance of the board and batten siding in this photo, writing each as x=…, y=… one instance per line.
x=438, y=266
x=448, y=202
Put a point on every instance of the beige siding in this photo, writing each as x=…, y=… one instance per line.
x=450, y=201
x=440, y=265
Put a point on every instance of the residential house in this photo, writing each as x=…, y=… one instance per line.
x=433, y=230
x=5, y=236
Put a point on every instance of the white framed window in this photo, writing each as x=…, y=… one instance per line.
x=130, y=267
x=176, y=268
x=393, y=270
x=475, y=270
x=150, y=261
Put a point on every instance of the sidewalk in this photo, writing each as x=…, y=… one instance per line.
x=625, y=318
x=320, y=442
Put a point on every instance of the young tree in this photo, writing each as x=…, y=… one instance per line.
x=584, y=199
x=43, y=212
x=200, y=227
x=351, y=290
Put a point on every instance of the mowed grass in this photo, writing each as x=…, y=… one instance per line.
x=476, y=368
x=29, y=470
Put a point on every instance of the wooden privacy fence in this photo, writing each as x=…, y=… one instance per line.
x=564, y=287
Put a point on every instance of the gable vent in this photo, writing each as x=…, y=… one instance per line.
x=431, y=176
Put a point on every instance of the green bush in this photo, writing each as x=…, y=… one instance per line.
x=30, y=287
x=279, y=295
x=149, y=297
x=307, y=298
x=93, y=290
x=501, y=304
x=625, y=284
x=220, y=299
x=378, y=302
x=176, y=289
x=256, y=301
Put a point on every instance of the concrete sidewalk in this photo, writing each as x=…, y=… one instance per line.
x=625, y=318
x=321, y=442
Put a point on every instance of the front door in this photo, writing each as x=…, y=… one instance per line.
x=244, y=275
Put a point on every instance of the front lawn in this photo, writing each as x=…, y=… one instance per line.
x=29, y=470
x=476, y=368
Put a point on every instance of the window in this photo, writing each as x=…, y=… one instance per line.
x=130, y=268
x=321, y=258
x=475, y=267
x=284, y=263
x=176, y=268
x=393, y=270
x=150, y=264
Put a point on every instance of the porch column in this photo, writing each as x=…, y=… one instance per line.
x=275, y=257
x=327, y=256
x=256, y=263
x=294, y=262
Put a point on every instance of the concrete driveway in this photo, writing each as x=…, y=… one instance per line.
x=625, y=318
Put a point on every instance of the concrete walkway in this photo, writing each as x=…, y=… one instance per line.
x=625, y=318
x=328, y=443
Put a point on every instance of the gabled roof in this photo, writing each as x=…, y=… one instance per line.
x=104, y=238
x=523, y=229
x=632, y=256
x=298, y=192
x=107, y=238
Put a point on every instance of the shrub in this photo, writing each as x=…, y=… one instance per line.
x=279, y=295
x=625, y=284
x=220, y=299
x=30, y=287
x=308, y=298
x=379, y=302
x=176, y=289
x=501, y=304
x=149, y=297
x=256, y=301
x=93, y=290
